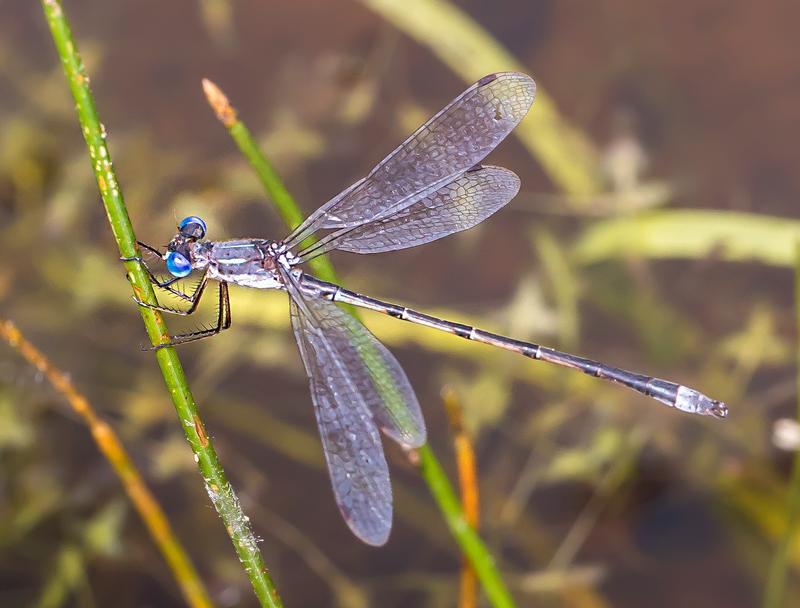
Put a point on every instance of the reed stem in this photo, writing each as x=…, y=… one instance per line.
x=217, y=485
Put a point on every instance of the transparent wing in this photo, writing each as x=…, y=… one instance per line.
x=460, y=205
x=355, y=384
x=367, y=365
x=450, y=143
x=350, y=441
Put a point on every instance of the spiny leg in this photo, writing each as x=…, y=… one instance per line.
x=165, y=284
x=223, y=322
x=193, y=299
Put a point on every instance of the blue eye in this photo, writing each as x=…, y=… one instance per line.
x=178, y=264
x=192, y=226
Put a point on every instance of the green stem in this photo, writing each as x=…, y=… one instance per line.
x=284, y=202
x=775, y=588
x=471, y=544
x=217, y=485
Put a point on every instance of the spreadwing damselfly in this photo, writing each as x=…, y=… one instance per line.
x=431, y=186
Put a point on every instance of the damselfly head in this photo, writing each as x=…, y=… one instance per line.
x=179, y=251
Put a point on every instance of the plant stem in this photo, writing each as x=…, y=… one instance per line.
x=468, y=486
x=471, y=544
x=217, y=485
x=153, y=516
x=775, y=588
x=284, y=202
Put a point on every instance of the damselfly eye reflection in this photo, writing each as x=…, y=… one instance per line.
x=178, y=264
x=192, y=227
x=431, y=186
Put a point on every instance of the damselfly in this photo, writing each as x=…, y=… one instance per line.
x=431, y=186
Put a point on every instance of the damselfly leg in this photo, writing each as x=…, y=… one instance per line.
x=223, y=311
x=223, y=322
x=193, y=299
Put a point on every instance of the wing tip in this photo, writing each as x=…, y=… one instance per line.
x=512, y=74
x=376, y=536
x=411, y=438
x=376, y=540
x=415, y=440
x=526, y=81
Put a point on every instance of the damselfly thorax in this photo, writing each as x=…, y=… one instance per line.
x=246, y=262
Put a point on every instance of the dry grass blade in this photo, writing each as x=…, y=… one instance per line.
x=111, y=447
x=468, y=484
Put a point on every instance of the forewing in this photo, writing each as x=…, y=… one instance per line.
x=450, y=143
x=460, y=205
x=356, y=384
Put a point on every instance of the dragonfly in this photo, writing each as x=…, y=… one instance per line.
x=431, y=186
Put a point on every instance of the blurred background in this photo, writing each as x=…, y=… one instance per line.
x=662, y=239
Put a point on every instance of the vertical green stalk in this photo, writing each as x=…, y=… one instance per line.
x=284, y=203
x=217, y=485
x=775, y=588
x=471, y=544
